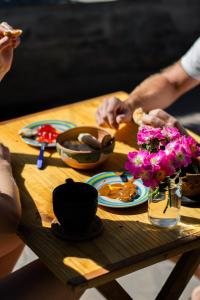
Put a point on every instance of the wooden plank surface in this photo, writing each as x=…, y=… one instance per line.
x=128, y=242
x=183, y=270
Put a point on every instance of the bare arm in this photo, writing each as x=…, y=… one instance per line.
x=7, y=46
x=10, y=209
x=157, y=91
x=161, y=90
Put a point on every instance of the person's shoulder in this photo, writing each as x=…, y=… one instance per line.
x=190, y=61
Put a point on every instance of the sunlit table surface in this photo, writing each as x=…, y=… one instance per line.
x=128, y=242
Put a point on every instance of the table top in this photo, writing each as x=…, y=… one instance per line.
x=128, y=242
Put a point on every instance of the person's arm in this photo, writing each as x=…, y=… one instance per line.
x=157, y=91
x=7, y=46
x=161, y=90
x=10, y=208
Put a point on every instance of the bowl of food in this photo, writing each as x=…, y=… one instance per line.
x=85, y=147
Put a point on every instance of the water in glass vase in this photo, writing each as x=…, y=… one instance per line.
x=164, y=208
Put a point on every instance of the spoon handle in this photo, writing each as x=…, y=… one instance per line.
x=40, y=161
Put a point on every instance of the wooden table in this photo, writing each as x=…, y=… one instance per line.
x=128, y=242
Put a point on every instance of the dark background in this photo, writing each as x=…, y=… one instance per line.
x=72, y=51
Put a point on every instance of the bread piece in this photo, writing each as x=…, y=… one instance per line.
x=15, y=33
x=89, y=140
x=138, y=114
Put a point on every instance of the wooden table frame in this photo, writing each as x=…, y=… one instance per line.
x=86, y=268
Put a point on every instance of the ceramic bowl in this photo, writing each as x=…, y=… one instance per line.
x=79, y=159
x=191, y=185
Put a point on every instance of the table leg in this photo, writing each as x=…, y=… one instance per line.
x=113, y=290
x=180, y=275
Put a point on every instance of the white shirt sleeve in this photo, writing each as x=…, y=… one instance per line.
x=191, y=61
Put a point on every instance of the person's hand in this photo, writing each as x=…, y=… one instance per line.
x=113, y=112
x=196, y=293
x=160, y=118
x=7, y=44
x=4, y=153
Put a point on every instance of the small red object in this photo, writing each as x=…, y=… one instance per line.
x=47, y=134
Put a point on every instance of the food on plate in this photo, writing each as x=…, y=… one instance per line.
x=138, y=114
x=28, y=132
x=77, y=146
x=89, y=140
x=47, y=133
x=120, y=191
x=12, y=33
x=84, y=142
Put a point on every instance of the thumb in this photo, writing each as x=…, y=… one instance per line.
x=123, y=118
x=4, y=42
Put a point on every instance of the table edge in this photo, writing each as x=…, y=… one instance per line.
x=61, y=107
x=135, y=263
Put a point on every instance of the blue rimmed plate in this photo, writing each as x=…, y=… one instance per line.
x=111, y=177
x=57, y=124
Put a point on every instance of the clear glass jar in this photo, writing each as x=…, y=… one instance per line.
x=164, y=206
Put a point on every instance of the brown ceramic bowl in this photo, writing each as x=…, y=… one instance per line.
x=87, y=159
x=191, y=185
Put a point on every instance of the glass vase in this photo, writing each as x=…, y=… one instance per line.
x=164, y=206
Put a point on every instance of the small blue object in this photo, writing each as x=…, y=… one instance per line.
x=40, y=161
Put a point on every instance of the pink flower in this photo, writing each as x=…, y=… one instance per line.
x=147, y=134
x=135, y=162
x=182, y=157
x=156, y=158
x=167, y=163
x=168, y=152
x=148, y=180
x=171, y=133
x=190, y=146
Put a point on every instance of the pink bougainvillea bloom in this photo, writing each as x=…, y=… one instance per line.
x=167, y=163
x=173, y=153
x=182, y=158
x=190, y=146
x=149, y=181
x=156, y=158
x=147, y=134
x=171, y=133
x=135, y=162
x=160, y=175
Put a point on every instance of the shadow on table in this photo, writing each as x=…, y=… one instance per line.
x=19, y=160
x=127, y=134
x=115, y=163
x=128, y=211
x=122, y=243
x=190, y=220
x=32, y=159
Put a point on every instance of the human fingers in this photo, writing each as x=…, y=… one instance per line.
x=152, y=121
x=175, y=123
x=6, y=26
x=97, y=116
x=101, y=114
x=16, y=42
x=196, y=293
x=111, y=112
x=161, y=114
x=4, y=42
x=124, y=116
x=160, y=118
x=106, y=112
x=4, y=152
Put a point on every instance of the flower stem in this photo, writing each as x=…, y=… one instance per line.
x=169, y=200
